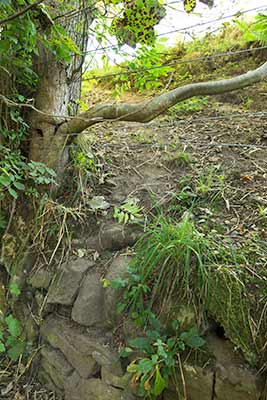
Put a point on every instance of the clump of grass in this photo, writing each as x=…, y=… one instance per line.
x=176, y=265
x=167, y=258
x=178, y=159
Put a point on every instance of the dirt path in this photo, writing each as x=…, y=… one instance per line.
x=222, y=161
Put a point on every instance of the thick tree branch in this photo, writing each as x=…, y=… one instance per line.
x=21, y=12
x=148, y=110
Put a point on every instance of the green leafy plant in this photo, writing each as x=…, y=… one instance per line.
x=158, y=356
x=255, y=30
x=11, y=341
x=129, y=211
x=85, y=162
x=15, y=171
x=210, y=183
x=262, y=210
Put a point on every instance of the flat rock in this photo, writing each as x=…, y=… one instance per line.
x=54, y=375
x=109, y=360
x=110, y=378
x=88, y=308
x=90, y=389
x=236, y=383
x=41, y=278
x=57, y=360
x=118, y=269
x=46, y=380
x=67, y=281
x=198, y=381
x=76, y=347
x=86, y=352
x=233, y=378
x=114, y=236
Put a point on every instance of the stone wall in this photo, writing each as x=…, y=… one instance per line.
x=79, y=357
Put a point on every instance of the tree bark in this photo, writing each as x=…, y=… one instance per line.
x=57, y=94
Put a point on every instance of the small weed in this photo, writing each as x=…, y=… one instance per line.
x=211, y=184
x=188, y=106
x=129, y=211
x=262, y=211
x=178, y=159
x=12, y=343
x=143, y=136
x=248, y=103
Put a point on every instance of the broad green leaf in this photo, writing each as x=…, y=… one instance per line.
x=12, y=192
x=5, y=2
x=5, y=180
x=2, y=347
x=195, y=342
x=16, y=351
x=19, y=185
x=153, y=334
x=13, y=326
x=160, y=383
x=14, y=289
x=140, y=343
x=119, y=283
x=145, y=365
x=155, y=322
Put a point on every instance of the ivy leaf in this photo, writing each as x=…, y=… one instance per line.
x=2, y=347
x=5, y=180
x=195, y=342
x=13, y=326
x=12, y=192
x=16, y=351
x=19, y=185
x=140, y=343
x=14, y=289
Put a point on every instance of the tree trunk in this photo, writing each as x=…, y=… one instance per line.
x=57, y=94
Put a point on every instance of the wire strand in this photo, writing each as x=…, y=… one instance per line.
x=203, y=58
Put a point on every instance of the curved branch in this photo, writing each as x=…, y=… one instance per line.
x=149, y=109
x=21, y=12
